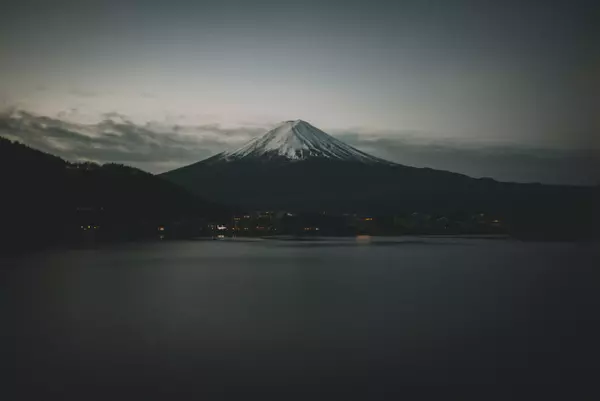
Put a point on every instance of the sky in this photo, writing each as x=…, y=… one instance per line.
x=506, y=89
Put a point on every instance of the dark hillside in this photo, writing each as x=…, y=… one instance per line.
x=47, y=200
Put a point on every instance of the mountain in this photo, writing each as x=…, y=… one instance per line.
x=297, y=167
x=46, y=199
x=298, y=141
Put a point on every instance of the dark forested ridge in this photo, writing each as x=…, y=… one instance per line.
x=46, y=200
x=537, y=210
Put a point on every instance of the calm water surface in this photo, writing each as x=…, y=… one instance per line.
x=297, y=320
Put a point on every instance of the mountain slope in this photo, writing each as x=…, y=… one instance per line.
x=295, y=141
x=297, y=167
x=46, y=199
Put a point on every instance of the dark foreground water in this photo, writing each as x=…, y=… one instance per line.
x=299, y=320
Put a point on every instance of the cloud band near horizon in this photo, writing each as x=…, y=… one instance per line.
x=161, y=147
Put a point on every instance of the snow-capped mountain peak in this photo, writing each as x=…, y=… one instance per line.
x=298, y=140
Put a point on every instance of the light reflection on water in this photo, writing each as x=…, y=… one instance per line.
x=363, y=239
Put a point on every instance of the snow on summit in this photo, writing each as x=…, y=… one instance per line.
x=298, y=140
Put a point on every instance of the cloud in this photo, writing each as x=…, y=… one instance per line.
x=502, y=162
x=158, y=147
x=116, y=139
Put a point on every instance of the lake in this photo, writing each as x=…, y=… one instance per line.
x=335, y=319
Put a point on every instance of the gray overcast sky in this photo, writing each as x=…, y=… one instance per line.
x=499, y=72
